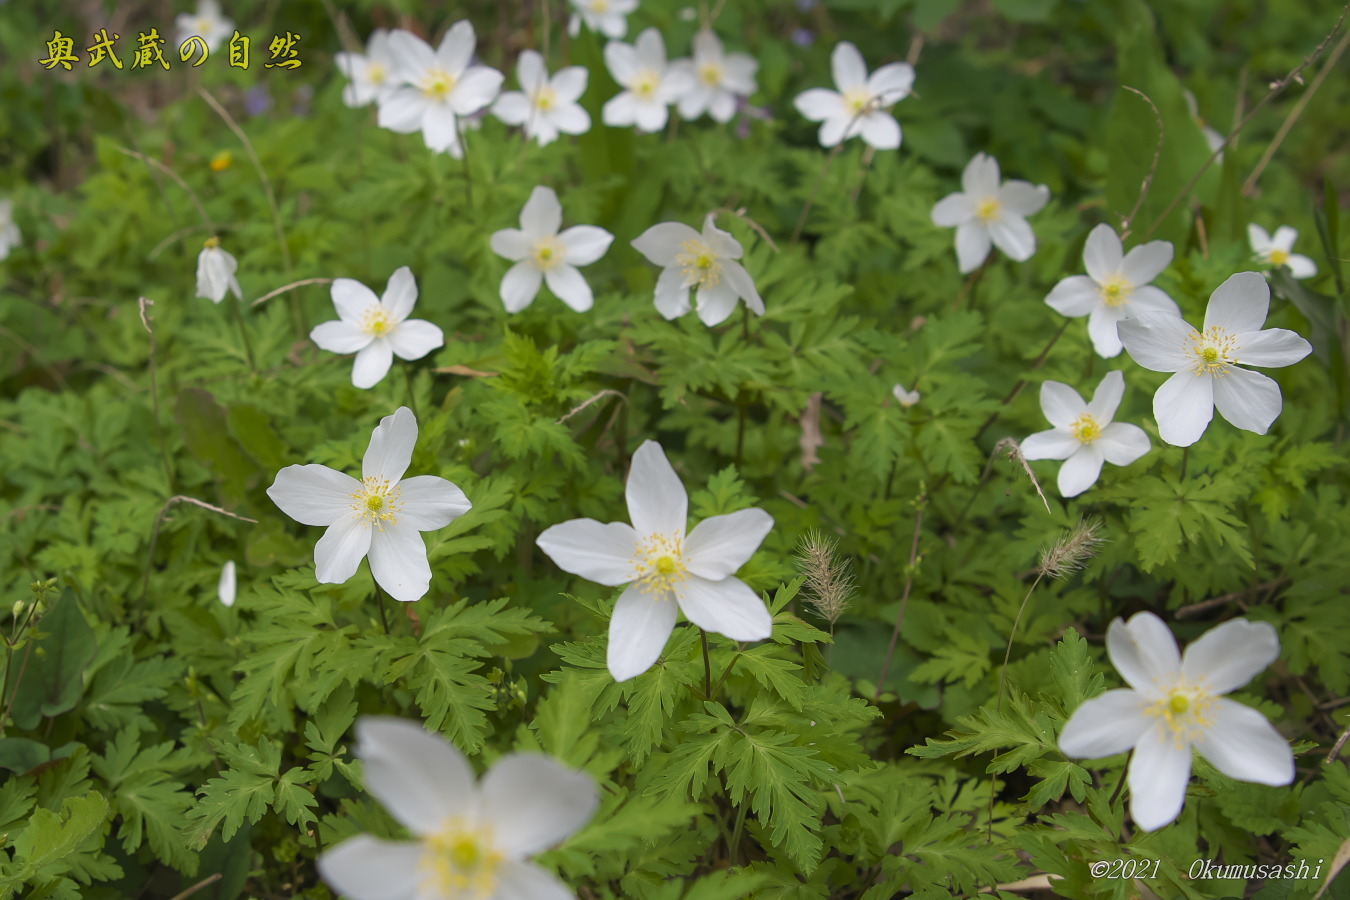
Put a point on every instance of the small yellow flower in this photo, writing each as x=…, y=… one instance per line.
x=222, y=161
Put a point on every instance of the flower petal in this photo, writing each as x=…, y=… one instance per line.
x=1240, y=304
x=1074, y=296
x=880, y=130
x=727, y=607
x=621, y=60
x=1299, y=265
x=1102, y=254
x=981, y=176
x=847, y=66
x=1157, y=341
x=351, y=298
x=1229, y=655
x=1242, y=744
x=716, y=303
x=513, y=108
x=1146, y=262
x=372, y=364
x=672, y=297
x=1284, y=238
x=415, y=338
x=430, y=502
x=542, y=215
x=511, y=243
x=1149, y=299
x=225, y=590
x=819, y=104
x=534, y=802
x=1248, y=400
x=531, y=73
x=391, y=446
x=605, y=554
x=398, y=560
x=420, y=777
x=338, y=336
x=440, y=128
x=1122, y=443
x=1272, y=348
x=718, y=546
x=891, y=83
x=338, y=554
x=1105, y=725
x=570, y=83
x=1145, y=653
x=972, y=246
x=620, y=110
x=1061, y=404
x=1183, y=406
x=520, y=286
x=570, y=287
x=1158, y=775
x=1013, y=236
x=585, y=244
x=740, y=281
x=526, y=881
x=313, y=494
x=953, y=210
x=1022, y=198
x=638, y=631
x=661, y=243
x=1103, y=330
x=400, y=294
x=657, y=502
x=1106, y=399
x=367, y=868
x=569, y=118
x=1080, y=471
x=402, y=111
x=1259, y=238
x=1056, y=444
x=457, y=47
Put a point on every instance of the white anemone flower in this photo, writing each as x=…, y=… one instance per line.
x=1084, y=435
x=859, y=105
x=207, y=23
x=1175, y=703
x=608, y=17
x=705, y=262
x=472, y=839
x=665, y=571
x=437, y=86
x=540, y=254
x=370, y=77
x=215, y=272
x=226, y=589
x=1279, y=250
x=1206, y=362
x=9, y=231
x=717, y=78
x=377, y=329
x=649, y=85
x=379, y=515
x=988, y=210
x=545, y=106
x=1115, y=287
x=905, y=398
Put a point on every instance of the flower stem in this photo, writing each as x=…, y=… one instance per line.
x=1007, y=654
x=243, y=332
x=707, y=665
x=384, y=617
x=904, y=599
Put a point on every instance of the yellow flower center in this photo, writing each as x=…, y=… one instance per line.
x=437, y=84
x=710, y=74
x=660, y=564
x=645, y=84
x=376, y=321
x=1086, y=428
x=459, y=861
x=600, y=6
x=701, y=266
x=1116, y=290
x=988, y=210
x=376, y=73
x=1278, y=257
x=1185, y=712
x=857, y=100
x=1214, y=351
x=211, y=242
x=378, y=502
x=203, y=26
x=545, y=98
x=549, y=252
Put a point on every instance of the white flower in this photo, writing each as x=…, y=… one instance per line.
x=215, y=272
x=472, y=838
x=986, y=210
x=541, y=253
x=1278, y=251
x=377, y=329
x=705, y=262
x=207, y=23
x=1206, y=362
x=380, y=515
x=716, y=79
x=1084, y=435
x=860, y=103
x=371, y=77
x=1213, y=139
x=9, y=231
x=649, y=85
x=226, y=589
x=437, y=86
x=546, y=106
x=609, y=17
x=665, y=571
x=1175, y=703
x=905, y=398
x=1115, y=287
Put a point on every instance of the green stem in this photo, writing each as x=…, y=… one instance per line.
x=707, y=665
x=238, y=315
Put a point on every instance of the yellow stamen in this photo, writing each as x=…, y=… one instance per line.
x=437, y=84
x=1279, y=257
x=460, y=861
x=1116, y=290
x=378, y=502
x=645, y=84
x=1215, y=351
x=376, y=74
x=1185, y=712
x=659, y=564
x=710, y=74
x=1086, y=428
x=545, y=98
x=211, y=242
x=989, y=210
x=701, y=266
x=549, y=252
x=377, y=321
x=857, y=100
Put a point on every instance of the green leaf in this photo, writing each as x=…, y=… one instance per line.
x=53, y=680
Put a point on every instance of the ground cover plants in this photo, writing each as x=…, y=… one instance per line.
x=855, y=449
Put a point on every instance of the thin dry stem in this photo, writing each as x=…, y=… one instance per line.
x=1015, y=455
x=177, y=179
x=607, y=392
x=904, y=598
x=290, y=287
x=740, y=214
x=1153, y=167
